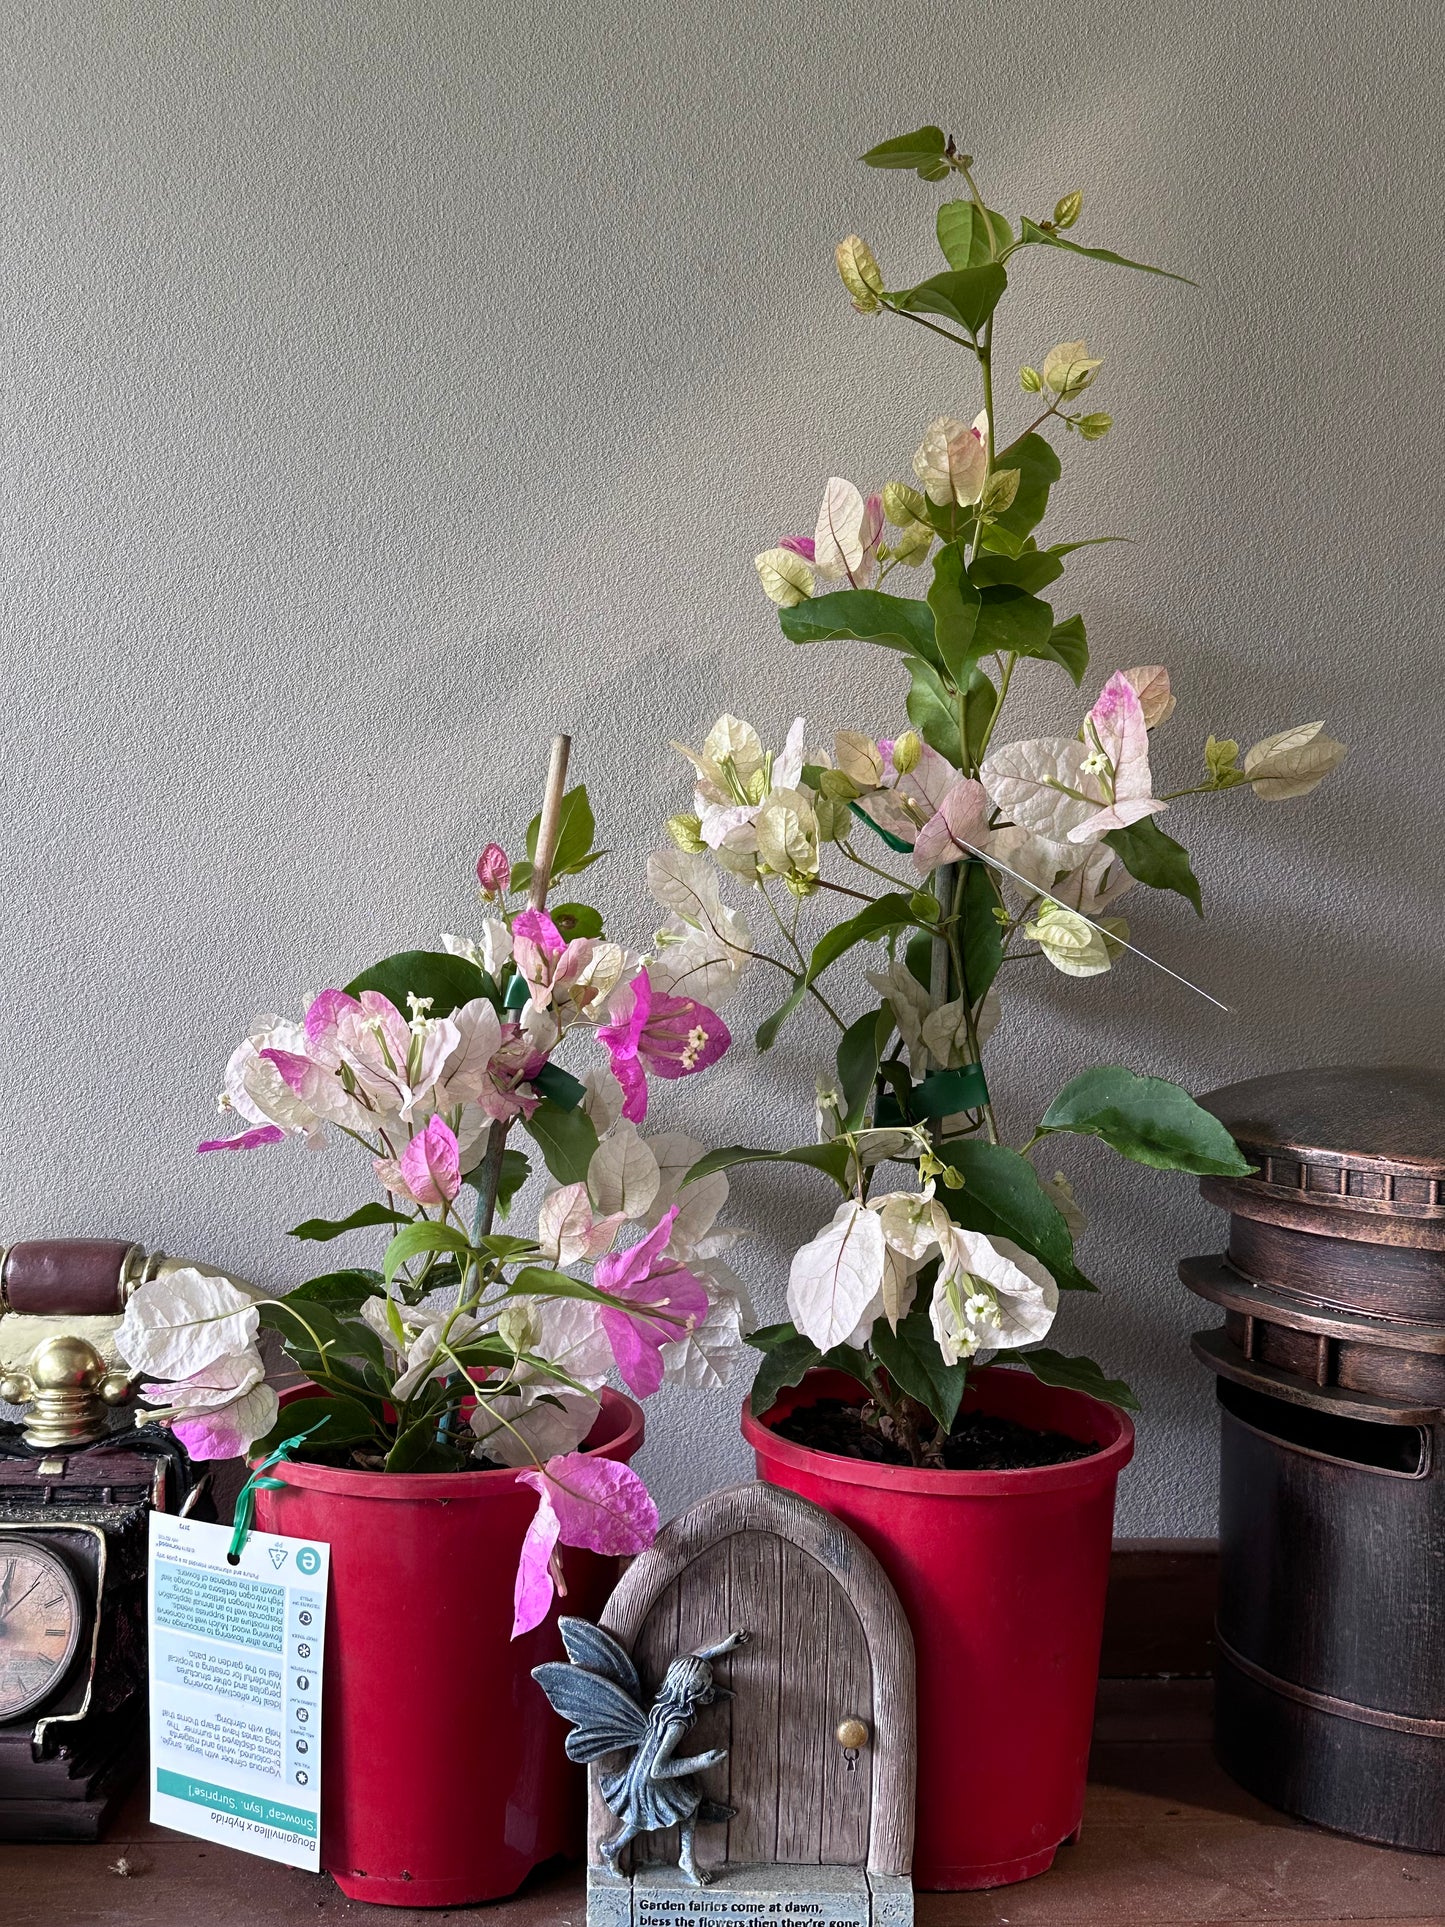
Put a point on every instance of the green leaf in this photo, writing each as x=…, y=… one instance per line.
x=516, y=1169
x=575, y=919
x=343, y=1421
x=1002, y=1197
x=415, y=1443
x=1147, y=1119
x=890, y=912
x=1156, y=859
x=1033, y=569
x=967, y=240
x=1039, y=469
x=1078, y=1375
x=1031, y=231
x=340, y=1290
x=1012, y=622
x=911, y=1358
x=967, y=296
x=981, y=936
x=318, y=1337
x=449, y=981
x=1069, y=645
x=955, y=605
x=833, y=1159
x=783, y=1365
x=923, y=151
x=564, y=1090
x=576, y=831
x=498, y=1245
x=864, y=615
x=323, y=1230
x=980, y=701
x=931, y=710
x=417, y=1238
x=567, y=1140
x=541, y=1281
x=859, y=1049
x=766, y=1034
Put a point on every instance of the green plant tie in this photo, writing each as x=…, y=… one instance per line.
x=246, y=1497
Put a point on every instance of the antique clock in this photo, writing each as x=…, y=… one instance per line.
x=77, y=1481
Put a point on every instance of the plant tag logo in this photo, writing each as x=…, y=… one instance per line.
x=279, y=1556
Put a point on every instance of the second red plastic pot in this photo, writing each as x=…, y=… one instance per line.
x=444, y=1781
x=1003, y=1577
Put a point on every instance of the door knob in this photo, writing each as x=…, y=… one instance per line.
x=852, y=1735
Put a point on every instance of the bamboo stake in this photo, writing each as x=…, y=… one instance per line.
x=548, y=830
x=550, y=827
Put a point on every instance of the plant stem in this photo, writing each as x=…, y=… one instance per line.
x=491, y=1184
x=959, y=341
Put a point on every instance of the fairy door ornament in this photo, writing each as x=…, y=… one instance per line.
x=746, y=1710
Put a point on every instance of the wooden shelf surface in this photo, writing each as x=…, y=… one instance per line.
x=1168, y=1841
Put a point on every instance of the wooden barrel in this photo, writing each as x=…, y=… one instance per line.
x=1330, y=1368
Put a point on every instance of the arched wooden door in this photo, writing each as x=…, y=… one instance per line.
x=829, y=1643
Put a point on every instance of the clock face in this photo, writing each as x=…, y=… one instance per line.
x=39, y=1624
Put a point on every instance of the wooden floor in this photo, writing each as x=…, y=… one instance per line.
x=1167, y=1839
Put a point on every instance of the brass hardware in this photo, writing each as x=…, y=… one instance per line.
x=852, y=1735
x=68, y=1386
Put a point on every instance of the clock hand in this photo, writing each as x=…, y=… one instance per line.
x=22, y=1599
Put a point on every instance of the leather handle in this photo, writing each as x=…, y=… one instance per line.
x=82, y=1277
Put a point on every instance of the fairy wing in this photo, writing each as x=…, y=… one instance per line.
x=604, y=1718
x=588, y=1645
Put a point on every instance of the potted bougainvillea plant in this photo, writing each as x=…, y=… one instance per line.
x=449, y=1428
x=972, y=853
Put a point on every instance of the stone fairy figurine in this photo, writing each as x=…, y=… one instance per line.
x=601, y=1695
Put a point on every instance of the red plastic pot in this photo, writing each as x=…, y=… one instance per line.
x=1003, y=1576
x=444, y=1781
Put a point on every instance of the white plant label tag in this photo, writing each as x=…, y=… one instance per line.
x=235, y=1687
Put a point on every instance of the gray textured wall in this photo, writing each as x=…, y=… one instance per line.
x=388, y=385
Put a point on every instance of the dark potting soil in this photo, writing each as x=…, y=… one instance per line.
x=979, y=1441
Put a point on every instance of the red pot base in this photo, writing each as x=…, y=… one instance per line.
x=445, y=1781
x=1003, y=1577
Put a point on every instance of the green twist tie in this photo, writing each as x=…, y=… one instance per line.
x=246, y=1497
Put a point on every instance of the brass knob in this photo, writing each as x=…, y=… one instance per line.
x=67, y=1387
x=852, y=1734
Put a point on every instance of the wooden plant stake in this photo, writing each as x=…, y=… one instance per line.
x=548, y=830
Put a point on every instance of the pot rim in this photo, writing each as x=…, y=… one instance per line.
x=620, y=1423
x=1105, y=1425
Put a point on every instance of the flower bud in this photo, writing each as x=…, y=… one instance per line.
x=907, y=749
x=1221, y=757
x=1069, y=368
x=494, y=872
x=1067, y=211
x=1031, y=381
x=903, y=505
x=1094, y=428
x=686, y=833
x=860, y=273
